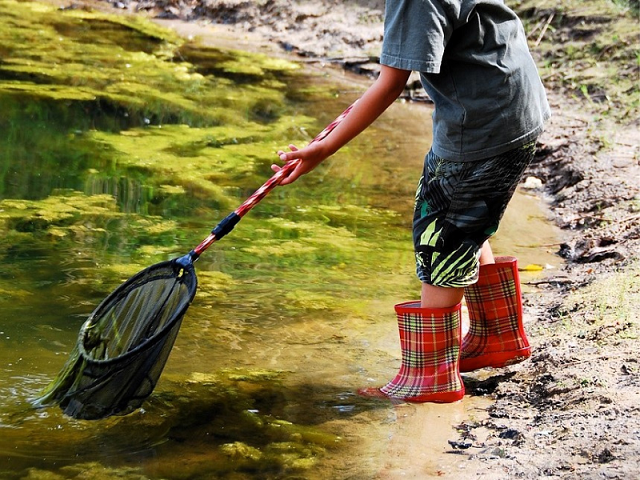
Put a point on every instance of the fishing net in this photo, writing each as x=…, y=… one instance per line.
x=123, y=346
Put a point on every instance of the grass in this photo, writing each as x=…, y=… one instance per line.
x=607, y=308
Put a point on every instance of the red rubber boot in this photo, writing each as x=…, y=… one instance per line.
x=496, y=335
x=430, y=340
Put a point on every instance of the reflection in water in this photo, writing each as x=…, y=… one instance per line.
x=129, y=157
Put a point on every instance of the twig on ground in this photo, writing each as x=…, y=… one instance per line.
x=544, y=29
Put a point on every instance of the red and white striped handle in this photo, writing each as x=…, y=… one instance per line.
x=231, y=220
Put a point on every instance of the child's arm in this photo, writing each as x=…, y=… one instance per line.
x=378, y=97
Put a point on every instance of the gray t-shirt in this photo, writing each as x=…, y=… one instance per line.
x=475, y=65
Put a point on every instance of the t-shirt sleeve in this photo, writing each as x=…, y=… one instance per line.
x=415, y=34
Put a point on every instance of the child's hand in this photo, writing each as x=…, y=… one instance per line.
x=384, y=91
x=310, y=157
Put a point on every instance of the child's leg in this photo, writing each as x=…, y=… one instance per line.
x=458, y=207
x=486, y=254
x=440, y=297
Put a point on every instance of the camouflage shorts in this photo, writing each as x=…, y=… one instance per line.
x=458, y=206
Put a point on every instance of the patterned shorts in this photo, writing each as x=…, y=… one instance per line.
x=458, y=206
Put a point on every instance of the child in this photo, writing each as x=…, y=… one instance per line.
x=490, y=106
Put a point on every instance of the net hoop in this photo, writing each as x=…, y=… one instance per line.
x=186, y=272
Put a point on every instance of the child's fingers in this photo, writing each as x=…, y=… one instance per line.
x=285, y=157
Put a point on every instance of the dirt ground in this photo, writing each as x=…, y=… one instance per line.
x=573, y=409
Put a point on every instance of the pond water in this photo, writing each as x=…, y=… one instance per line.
x=122, y=145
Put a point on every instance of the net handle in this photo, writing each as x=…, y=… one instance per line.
x=231, y=220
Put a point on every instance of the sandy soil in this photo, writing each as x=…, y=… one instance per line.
x=572, y=411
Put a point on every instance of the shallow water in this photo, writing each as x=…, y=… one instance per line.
x=128, y=156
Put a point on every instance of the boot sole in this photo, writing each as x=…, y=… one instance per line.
x=494, y=360
x=440, y=397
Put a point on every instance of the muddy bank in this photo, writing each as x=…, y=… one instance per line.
x=572, y=410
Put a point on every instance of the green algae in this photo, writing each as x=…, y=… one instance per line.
x=130, y=69
x=234, y=375
x=208, y=162
x=69, y=214
x=61, y=211
x=127, y=61
x=209, y=413
x=53, y=92
x=234, y=62
x=93, y=470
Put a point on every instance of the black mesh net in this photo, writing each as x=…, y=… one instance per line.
x=124, y=345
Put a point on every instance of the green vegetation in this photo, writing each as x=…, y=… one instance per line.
x=131, y=64
x=123, y=125
x=122, y=146
x=209, y=412
x=610, y=306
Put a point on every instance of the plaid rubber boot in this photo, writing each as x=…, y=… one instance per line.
x=430, y=341
x=496, y=335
